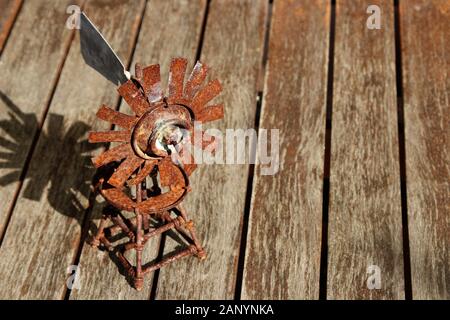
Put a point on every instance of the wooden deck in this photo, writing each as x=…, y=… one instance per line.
x=364, y=174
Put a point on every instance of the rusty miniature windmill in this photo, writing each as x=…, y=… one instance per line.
x=148, y=170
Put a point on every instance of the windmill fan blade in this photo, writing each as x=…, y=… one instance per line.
x=109, y=136
x=205, y=95
x=151, y=81
x=124, y=171
x=166, y=175
x=176, y=78
x=98, y=54
x=210, y=113
x=195, y=80
x=134, y=97
x=114, y=154
x=141, y=175
x=118, y=118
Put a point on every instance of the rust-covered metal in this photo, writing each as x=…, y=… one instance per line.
x=144, y=176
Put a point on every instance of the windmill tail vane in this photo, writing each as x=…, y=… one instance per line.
x=146, y=171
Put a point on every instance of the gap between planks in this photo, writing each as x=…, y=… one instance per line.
x=401, y=152
x=251, y=173
x=11, y=9
x=327, y=158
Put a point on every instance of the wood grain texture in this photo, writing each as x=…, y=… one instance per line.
x=169, y=29
x=44, y=232
x=29, y=66
x=283, y=245
x=425, y=46
x=233, y=48
x=8, y=12
x=365, y=207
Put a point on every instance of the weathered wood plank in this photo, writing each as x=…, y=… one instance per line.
x=169, y=29
x=233, y=48
x=44, y=232
x=8, y=12
x=283, y=245
x=29, y=66
x=425, y=46
x=365, y=225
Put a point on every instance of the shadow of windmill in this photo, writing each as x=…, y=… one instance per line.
x=60, y=167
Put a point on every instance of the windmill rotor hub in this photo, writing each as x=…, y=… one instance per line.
x=159, y=128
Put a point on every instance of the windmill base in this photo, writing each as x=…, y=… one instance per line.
x=137, y=232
